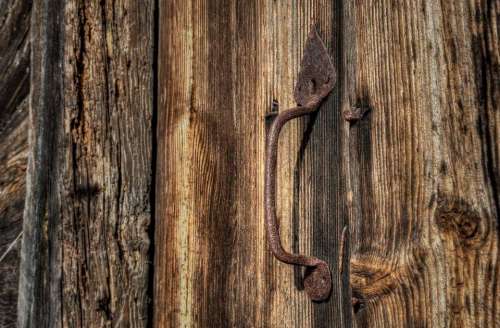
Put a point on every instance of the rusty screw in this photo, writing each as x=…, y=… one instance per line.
x=355, y=113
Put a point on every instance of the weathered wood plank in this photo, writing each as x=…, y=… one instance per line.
x=36, y=282
x=14, y=56
x=221, y=63
x=416, y=179
x=13, y=158
x=86, y=249
x=107, y=168
x=14, y=86
x=423, y=163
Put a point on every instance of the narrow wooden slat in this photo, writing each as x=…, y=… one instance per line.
x=221, y=63
x=423, y=163
x=13, y=159
x=14, y=87
x=36, y=281
x=14, y=56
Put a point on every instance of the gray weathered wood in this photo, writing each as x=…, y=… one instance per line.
x=13, y=158
x=14, y=85
x=14, y=56
x=36, y=281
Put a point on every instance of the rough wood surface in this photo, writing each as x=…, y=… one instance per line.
x=86, y=245
x=410, y=181
x=424, y=162
x=13, y=158
x=221, y=64
x=418, y=175
x=38, y=278
x=14, y=86
x=14, y=56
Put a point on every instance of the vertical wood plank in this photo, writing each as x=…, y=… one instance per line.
x=88, y=210
x=36, y=281
x=423, y=163
x=107, y=168
x=14, y=88
x=13, y=159
x=221, y=64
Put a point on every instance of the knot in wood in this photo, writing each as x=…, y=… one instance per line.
x=457, y=219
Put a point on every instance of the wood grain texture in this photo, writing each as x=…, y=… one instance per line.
x=423, y=163
x=36, y=279
x=413, y=184
x=14, y=56
x=14, y=87
x=107, y=170
x=86, y=249
x=13, y=158
x=221, y=63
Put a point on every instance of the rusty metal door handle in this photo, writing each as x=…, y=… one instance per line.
x=316, y=80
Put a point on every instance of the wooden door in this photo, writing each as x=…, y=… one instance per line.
x=414, y=180
x=145, y=182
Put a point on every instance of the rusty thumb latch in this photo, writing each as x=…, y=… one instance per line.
x=316, y=80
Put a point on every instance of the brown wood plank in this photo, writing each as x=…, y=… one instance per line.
x=107, y=172
x=423, y=163
x=221, y=63
x=86, y=251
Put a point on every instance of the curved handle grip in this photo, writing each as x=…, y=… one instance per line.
x=315, y=82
